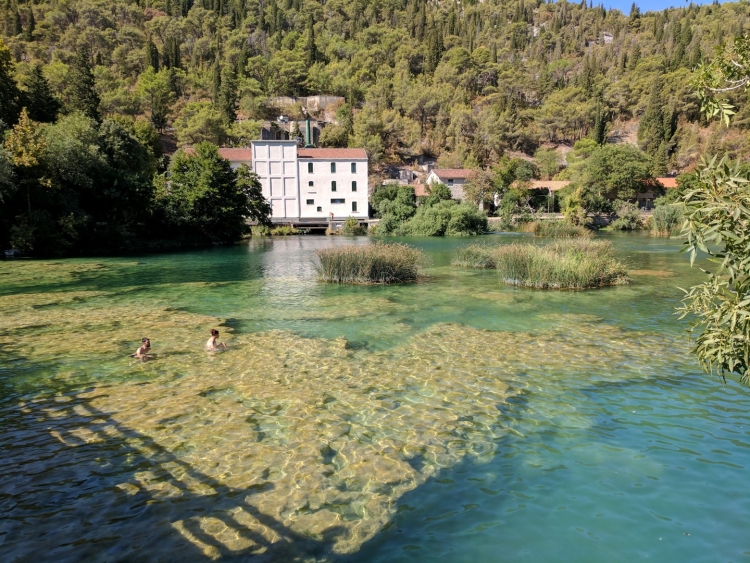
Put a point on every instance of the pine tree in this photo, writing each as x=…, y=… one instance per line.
x=30, y=26
x=41, y=104
x=82, y=94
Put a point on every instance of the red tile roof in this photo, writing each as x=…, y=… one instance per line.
x=234, y=155
x=453, y=173
x=332, y=154
x=668, y=182
x=420, y=190
x=245, y=155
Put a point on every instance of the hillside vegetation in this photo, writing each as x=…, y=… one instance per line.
x=461, y=81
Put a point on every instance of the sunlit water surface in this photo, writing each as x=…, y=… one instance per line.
x=450, y=420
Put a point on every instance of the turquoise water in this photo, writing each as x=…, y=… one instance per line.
x=451, y=420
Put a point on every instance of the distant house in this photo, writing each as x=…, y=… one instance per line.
x=306, y=183
x=311, y=183
x=454, y=178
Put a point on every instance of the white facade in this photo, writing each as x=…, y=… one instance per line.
x=312, y=183
x=275, y=163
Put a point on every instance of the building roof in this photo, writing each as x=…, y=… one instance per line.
x=234, y=155
x=420, y=189
x=668, y=182
x=552, y=185
x=333, y=154
x=453, y=173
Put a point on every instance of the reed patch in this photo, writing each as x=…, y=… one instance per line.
x=565, y=264
x=377, y=263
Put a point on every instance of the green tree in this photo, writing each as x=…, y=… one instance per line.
x=436, y=193
x=155, y=90
x=209, y=200
x=615, y=172
x=41, y=104
x=548, y=161
x=10, y=95
x=717, y=223
x=30, y=25
x=82, y=95
x=198, y=122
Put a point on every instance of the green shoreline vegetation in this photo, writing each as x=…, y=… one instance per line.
x=565, y=264
x=477, y=85
x=377, y=263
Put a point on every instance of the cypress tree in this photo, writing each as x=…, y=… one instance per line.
x=10, y=96
x=152, y=56
x=30, y=26
x=216, y=93
x=599, y=133
x=17, y=27
x=81, y=92
x=311, y=52
x=41, y=104
x=635, y=57
x=651, y=131
x=228, y=94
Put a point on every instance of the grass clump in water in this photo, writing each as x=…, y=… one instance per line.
x=560, y=229
x=372, y=263
x=667, y=220
x=569, y=264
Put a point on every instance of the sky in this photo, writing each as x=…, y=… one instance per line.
x=648, y=5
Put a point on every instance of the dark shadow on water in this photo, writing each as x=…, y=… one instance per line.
x=70, y=486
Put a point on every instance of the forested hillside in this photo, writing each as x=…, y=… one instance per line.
x=462, y=81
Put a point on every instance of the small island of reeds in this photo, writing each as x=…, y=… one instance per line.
x=377, y=263
x=560, y=229
x=567, y=264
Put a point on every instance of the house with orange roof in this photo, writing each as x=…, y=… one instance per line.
x=311, y=183
x=454, y=178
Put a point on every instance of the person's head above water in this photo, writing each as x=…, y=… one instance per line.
x=145, y=341
x=214, y=332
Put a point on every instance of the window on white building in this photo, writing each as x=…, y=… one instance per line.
x=310, y=202
x=338, y=201
x=319, y=209
x=354, y=186
x=354, y=206
x=333, y=168
x=333, y=186
x=310, y=183
x=309, y=167
x=354, y=167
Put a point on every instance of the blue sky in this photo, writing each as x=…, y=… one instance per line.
x=646, y=5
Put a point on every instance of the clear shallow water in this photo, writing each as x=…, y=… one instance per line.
x=451, y=420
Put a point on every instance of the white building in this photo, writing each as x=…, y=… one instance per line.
x=304, y=183
x=454, y=178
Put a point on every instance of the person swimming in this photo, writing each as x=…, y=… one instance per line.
x=211, y=343
x=144, y=349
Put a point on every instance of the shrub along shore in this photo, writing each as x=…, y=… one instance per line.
x=378, y=263
x=566, y=264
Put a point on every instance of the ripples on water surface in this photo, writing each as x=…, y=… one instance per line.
x=451, y=420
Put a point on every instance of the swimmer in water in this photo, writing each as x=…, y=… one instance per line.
x=211, y=343
x=143, y=351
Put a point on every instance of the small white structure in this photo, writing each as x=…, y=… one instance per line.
x=454, y=178
x=310, y=183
